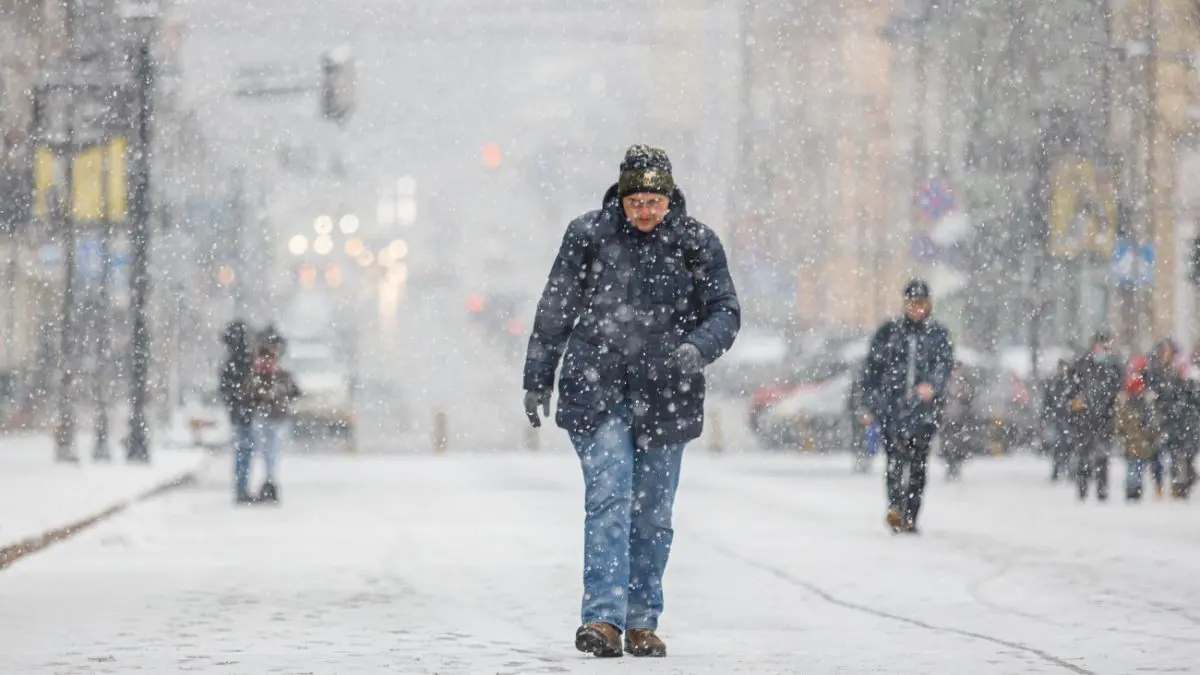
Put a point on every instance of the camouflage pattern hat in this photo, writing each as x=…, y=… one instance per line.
x=645, y=169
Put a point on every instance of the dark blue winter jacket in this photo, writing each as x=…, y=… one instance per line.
x=618, y=302
x=901, y=345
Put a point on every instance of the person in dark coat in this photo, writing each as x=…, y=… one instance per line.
x=1096, y=381
x=638, y=302
x=1175, y=400
x=904, y=378
x=235, y=377
x=960, y=433
x=860, y=423
x=1056, y=419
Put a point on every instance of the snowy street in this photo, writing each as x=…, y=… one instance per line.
x=469, y=563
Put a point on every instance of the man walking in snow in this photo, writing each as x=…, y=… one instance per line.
x=235, y=391
x=640, y=300
x=1095, y=382
x=904, y=381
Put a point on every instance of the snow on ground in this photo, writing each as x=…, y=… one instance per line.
x=38, y=494
x=470, y=564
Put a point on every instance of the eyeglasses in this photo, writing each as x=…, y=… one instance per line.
x=654, y=203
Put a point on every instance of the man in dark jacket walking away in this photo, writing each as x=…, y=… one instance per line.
x=640, y=300
x=235, y=391
x=1095, y=383
x=905, y=377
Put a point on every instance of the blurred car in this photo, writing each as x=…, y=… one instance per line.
x=811, y=408
x=326, y=403
x=1005, y=405
x=809, y=405
x=812, y=417
x=756, y=356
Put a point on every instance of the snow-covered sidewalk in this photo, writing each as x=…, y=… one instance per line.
x=471, y=564
x=41, y=498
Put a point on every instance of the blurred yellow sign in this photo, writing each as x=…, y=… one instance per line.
x=1083, y=208
x=99, y=182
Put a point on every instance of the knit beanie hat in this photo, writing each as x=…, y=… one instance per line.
x=645, y=169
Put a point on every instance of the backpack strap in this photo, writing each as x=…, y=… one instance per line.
x=596, y=236
x=693, y=262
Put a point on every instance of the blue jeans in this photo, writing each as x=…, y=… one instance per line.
x=629, y=496
x=268, y=438
x=1156, y=467
x=243, y=454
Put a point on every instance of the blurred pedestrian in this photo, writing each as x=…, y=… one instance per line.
x=1056, y=422
x=961, y=432
x=271, y=335
x=1173, y=401
x=640, y=299
x=235, y=392
x=1095, y=383
x=1137, y=427
x=273, y=390
x=905, y=377
x=864, y=434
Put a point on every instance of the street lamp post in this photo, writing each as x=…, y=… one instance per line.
x=64, y=431
x=142, y=17
x=55, y=121
x=103, y=346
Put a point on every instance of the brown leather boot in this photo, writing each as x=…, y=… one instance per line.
x=598, y=639
x=643, y=642
x=895, y=521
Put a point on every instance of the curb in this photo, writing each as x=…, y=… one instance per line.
x=14, y=552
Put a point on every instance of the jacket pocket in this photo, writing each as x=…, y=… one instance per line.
x=591, y=375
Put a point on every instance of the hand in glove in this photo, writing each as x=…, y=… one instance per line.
x=534, y=400
x=687, y=359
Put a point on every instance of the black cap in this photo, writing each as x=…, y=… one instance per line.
x=1102, y=337
x=916, y=290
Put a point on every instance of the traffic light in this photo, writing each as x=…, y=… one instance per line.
x=338, y=80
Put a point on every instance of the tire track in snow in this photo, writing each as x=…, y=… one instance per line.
x=866, y=609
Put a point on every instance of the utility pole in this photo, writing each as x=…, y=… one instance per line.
x=62, y=201
x=102, y=385
x=1040, y=215
x=140, y=214
x=64, y=431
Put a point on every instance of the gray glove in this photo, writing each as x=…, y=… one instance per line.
x=534, y=400
x=687, y=359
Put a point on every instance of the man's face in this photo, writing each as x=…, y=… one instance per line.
x=918, y=309
x=645, y=210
